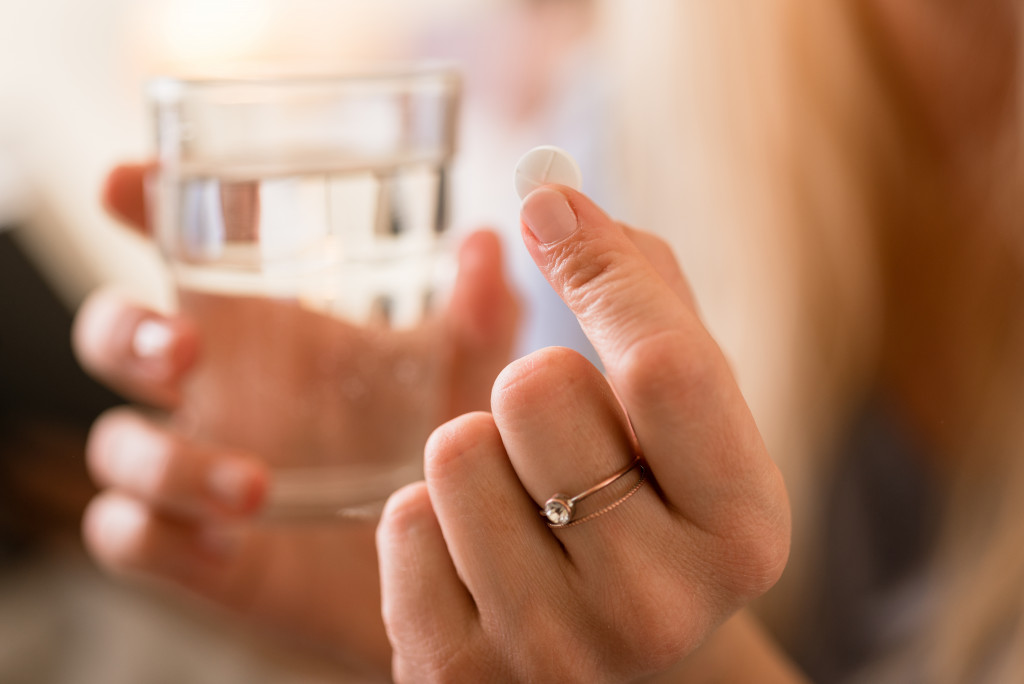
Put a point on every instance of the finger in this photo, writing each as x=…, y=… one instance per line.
x=482, y=318
x=137, y=352
x=565, y=431
x=486, y=516
x=427, y=610
x=123, y=195
x=134, y=455
x=615, y=292
x=521, y=578
x=129, y=538
x=659, y=254
x=685, y=409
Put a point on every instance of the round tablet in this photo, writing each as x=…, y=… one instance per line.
x=543, y=165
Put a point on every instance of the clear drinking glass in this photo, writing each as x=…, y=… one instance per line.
x=304, y=222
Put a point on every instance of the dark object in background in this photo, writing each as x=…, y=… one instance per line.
x=46, y=406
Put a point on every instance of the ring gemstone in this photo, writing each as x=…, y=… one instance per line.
x=558, y=511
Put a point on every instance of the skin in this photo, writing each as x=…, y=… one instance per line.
x=708, y=533
x=179, y=509
x=457, y=579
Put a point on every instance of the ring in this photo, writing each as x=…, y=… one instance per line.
x=560, y=509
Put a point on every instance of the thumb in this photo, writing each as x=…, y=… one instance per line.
x=601, y=272
x=687, y=413
x=123, y=195
x=482, y=320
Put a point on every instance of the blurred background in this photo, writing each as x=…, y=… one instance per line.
x=71, y=106
x=778, y=146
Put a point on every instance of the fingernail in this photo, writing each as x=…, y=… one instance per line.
x=236, y=486
x=548, y=215
x=152, y=339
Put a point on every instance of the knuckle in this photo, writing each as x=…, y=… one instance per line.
x=451, y=442
x=532, y=380
x=771, y=562
x=744, y=559
x=754, y=559
x=672, y=366
x=405, y=510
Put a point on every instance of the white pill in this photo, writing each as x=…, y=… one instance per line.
x=543, y=165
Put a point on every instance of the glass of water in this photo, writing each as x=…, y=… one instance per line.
x=304, y=223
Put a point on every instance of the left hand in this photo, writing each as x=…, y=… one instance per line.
x=184, y=510
x=476, y=586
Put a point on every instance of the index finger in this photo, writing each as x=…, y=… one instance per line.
x=123, y=195
x=684, y=406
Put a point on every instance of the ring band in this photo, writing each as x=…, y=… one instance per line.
x=560, y=509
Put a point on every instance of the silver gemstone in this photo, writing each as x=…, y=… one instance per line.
x=557, y=512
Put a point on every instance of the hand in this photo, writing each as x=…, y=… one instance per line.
x=476, y=587
x=174, y=507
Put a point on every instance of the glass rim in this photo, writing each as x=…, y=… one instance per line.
x=165, y=88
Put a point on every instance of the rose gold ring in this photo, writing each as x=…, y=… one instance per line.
x=560, y=509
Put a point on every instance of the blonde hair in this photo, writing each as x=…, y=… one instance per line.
x=721, y=142
x=798, y=178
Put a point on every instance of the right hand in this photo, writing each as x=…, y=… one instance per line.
x=476, y=585
x=174, y=508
